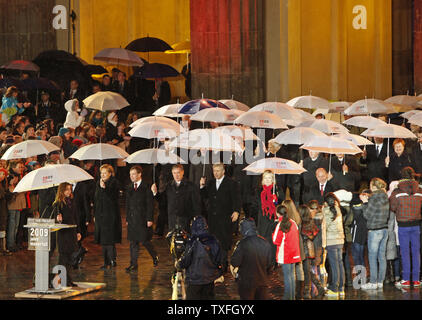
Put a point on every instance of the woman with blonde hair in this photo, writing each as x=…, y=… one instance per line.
x=108, y=223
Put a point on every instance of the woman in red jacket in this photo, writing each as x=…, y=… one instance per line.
x=286, y=238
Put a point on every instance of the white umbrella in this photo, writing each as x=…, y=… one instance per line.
x=289, y=114
x=261, y=119
x=119, y=56
x=235, y=105
x=309, y=102
x=154, y=156
x=233, y=131
x=331, y=144
x=170, y=110
x=416, y=119
x=51, y=176
x=276, y=165
x=364, y=122
x=29, y=148
x=305, y=115
x=298, y=135
x=369, y=106
x=156, y=119
x=105, y=101
x=218, y=115
x=155, y=129
x=99, y=151
x=326, y=126
x=403, y=100
x=389, y=131
x=206, y=139
x=356, y=139
x=409, y=114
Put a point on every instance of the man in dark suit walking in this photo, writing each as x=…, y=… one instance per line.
x=223, y=203
x=318, y=190
x=139, y=218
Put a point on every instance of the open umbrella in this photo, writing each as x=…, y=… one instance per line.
x=364, y=122
x=289, y=114
x=357, y=140
x=119, y=56
x=298, y=135
x=154, y=130
x=95, y=69
x=40, y=84
x=416, y=119
x=148, y=44
x=105, y=101
x=182, y=47
x=389, y=131
x=326, y=126
x=50, y=176
x=369, y=106
x=157, y=120
x=276, y=165
x=9, y=82
x=170, y=110
x=99, y=151
x=156, y=71
x=29, y=148
x=261, y=119
x=218, y=115
x=409, y=114
x=233, y=131
x=309, y=102
x=193, y=106
x=403, y=100
x=21, y=65
x=235, y=105
x=154, y=156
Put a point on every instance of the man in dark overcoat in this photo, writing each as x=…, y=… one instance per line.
x=139, y=217
x=223, y=203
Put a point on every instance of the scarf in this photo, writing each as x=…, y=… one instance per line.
x=268, y=200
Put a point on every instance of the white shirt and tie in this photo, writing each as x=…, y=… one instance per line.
x=378, y=148
x=322, y=187
x=218, y=182
x=137, y=184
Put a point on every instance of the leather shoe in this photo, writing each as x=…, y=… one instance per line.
x=113, y=263
x=155, y=261
x=131, y=268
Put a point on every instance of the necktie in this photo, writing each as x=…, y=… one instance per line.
x=218, y=184
x=378, y=151
x=135, y=186
x=322, y=189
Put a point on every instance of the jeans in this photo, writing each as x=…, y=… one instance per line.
x=397, y=263
x=410, y=237
x=289, y=281
x=358, y=253
x=335, y=258
x=12, y=228
x=377, y=246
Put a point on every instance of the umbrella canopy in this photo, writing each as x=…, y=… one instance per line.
x=51, y=176
x=170, y=110
x=21, y=65
x=357, y=140
x=309, y=102
x=416, y=119
x=119, y=56
x=95, y=69
x=148, y=44
x=99, y=151
x=235, y=105
x=154, y=129
x=369, y=106
x=156, y=71
x=157, y=120
x=218, y=115
x=299, y=135
x=403, y=100
x=389, y=131
x=193, y=106
x=154, y=156
x=326, y=126
x=276, y=165
x=289, y=114
x=332, y=145
x=207, y=139
x=233, y=131
x=364, y=122
x=40, y=84
x=9, y=82
x=261, y=119
x=105, y=101
x=407, y=114
x=29, y=148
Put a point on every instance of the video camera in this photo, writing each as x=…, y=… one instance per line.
x=177, y=241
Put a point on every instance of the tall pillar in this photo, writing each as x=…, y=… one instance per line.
x=227, y=43
x=417, y=45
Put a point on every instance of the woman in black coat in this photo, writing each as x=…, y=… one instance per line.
x=108, y=223
x=397, y=160
x=66, y=213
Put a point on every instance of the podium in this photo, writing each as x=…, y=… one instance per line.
x=39, y=232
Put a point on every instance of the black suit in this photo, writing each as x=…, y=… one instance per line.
x=375, y=162
x=349, y=181
x=314, y=192
x=139, y=210
x=50, y=110
x=79, y=94
x=309, y=178
x=417, y=158
x=83, y=204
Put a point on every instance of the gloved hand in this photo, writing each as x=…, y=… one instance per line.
x=84, y=112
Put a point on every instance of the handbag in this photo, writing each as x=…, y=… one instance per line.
x=311, y=248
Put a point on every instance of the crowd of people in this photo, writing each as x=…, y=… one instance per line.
x=343, y=207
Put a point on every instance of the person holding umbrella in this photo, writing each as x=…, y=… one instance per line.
x=108, y=224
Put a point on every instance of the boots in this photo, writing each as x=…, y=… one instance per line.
x=317, y=283
x=299, y=289
x=389, y=276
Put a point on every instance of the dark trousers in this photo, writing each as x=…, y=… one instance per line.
x=134, y=251
x=200, y=292
x=162, y=220
x=248, y=292
x=109, y=253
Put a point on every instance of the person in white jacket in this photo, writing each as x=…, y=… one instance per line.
x=73, y=118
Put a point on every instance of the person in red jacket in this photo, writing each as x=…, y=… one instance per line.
x=286, y=238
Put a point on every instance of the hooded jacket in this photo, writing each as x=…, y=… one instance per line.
x=406, y=202
x=253, y=256
x=202, y=258
x=73, y=119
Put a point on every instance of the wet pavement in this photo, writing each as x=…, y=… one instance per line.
x=149, y=283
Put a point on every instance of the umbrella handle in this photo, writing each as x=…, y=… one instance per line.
x=329, y=168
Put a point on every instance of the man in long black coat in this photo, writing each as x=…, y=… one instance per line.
x=311, y=164
x=183, y=199
x=374, y=158
x=346, y=173
x=223, y=203
x=320, y=188
x=139, y=217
